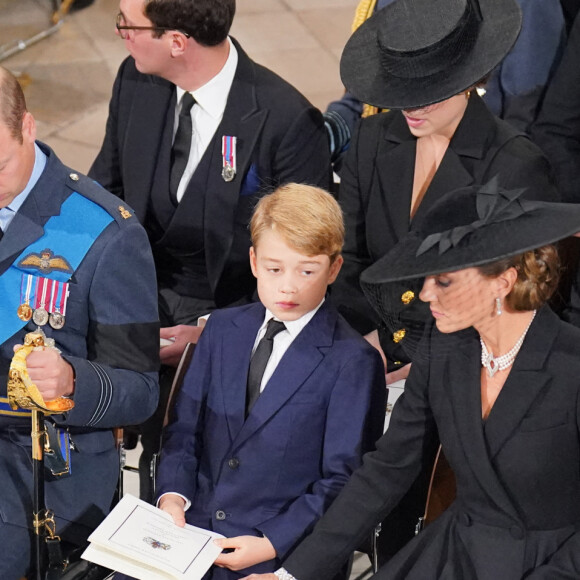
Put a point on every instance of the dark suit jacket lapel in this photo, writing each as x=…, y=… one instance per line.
x=526, y=381
x=396, y=164
x=305, y=353
x=44, y=201
x=468, y=143
x=242, y=119
x=462, y=371
x=395, y=168
x=236, y=351
x=144, y=144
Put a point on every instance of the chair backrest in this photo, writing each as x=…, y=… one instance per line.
x=442, y=490
x=175, y=388
x=178, y=380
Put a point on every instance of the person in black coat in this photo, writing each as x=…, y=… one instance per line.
x=495, y=379
x=439, y=136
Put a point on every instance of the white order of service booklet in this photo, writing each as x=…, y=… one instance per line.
x=142, y=541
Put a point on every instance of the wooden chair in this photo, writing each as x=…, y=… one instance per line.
x=175, y=388
x=442, y=491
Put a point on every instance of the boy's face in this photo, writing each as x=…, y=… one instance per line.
x=290, y=284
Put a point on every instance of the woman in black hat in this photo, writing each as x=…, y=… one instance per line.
x=423, y=59
x=496, y=379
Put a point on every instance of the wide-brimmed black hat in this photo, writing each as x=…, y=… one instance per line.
x=471, y=227
x=414, y=53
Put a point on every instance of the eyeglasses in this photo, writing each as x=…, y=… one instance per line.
x=122, y=27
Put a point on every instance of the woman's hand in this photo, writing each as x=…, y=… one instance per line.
x=373, y=339
x=398, y=375
x=248, y=550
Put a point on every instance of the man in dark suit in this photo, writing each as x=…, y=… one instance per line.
x=76, y=263
x=247, y=131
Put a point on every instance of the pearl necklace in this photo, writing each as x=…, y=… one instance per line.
x=500, y=363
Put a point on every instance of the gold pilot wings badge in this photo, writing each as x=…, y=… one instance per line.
x=46, y=262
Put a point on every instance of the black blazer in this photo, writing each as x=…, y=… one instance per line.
x=517, y=511
x=280, y=138
x=377, y=184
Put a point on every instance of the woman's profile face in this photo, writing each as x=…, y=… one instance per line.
x=460, y=299
x=438, y=119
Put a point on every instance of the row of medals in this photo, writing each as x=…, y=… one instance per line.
x=40, y=316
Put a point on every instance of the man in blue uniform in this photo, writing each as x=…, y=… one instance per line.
x=77, y=264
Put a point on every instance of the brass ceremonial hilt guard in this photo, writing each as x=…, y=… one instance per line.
x=22, y=392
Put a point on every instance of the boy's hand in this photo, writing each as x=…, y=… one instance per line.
x=248, y=550
x=260, y=577
x=173, y=504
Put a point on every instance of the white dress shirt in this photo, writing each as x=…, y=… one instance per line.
x=206, y=114
x=282, y=340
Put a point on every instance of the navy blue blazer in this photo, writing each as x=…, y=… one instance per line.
x=276, y=472
x=111, y=338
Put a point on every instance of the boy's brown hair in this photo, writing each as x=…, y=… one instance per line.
x=308, y=218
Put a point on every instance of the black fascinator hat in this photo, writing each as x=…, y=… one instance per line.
x=413, y=53
x=471, y=227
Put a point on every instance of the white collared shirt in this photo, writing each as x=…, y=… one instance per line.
x=282, y=340
x=206, y=114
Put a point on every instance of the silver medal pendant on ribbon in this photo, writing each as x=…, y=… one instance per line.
x=58, y=300
x=228, y=157
x=43, y=290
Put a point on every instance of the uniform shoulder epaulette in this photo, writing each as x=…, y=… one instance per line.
x=92, y=190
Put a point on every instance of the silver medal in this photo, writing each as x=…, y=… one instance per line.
x=40, y=317
x=228, y=173
x=56, y=320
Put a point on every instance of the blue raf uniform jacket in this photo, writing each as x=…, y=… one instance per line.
x=111, y=339
x=276, y=472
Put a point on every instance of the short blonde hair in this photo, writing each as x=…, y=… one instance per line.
x=308, y=218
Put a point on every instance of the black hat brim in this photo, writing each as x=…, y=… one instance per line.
x=364, y=75
x=547, y=224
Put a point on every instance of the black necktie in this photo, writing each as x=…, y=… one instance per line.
x=181, y=145
x=260, y=360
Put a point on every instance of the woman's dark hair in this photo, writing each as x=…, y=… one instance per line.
x=538, y=276
x=208, y=22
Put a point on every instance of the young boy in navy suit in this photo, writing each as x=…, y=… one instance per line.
x=273, y=417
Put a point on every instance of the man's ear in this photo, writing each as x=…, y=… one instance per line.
x=28, y=128
x=178, y=43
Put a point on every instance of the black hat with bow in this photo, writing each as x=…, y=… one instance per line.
x=471, y=227
x=413, y=53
